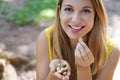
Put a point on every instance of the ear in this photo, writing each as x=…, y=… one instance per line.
x=58, y=6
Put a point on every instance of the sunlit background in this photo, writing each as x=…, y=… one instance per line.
x=21, y=21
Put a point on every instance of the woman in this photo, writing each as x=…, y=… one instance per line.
x=95, y=57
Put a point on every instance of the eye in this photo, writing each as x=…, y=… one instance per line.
x=68, y=9
x=86, y=11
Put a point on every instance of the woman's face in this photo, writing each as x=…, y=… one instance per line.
x=77, y=17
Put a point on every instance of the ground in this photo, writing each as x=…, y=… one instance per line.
x=21, y=40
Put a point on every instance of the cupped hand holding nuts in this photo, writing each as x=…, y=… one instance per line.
x=60, y=68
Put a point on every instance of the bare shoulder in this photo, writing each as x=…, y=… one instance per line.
x=42, y=56
x=42, y=36
x=116, y=53
x=117, y=49
x=114, y=57
x=41, y=44
x=107, y=71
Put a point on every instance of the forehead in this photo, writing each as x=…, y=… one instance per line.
x=77, y=3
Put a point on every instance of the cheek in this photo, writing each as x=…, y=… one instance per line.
x=64, y=19
x=88, y=18
x=90, y=24
x=90, y=21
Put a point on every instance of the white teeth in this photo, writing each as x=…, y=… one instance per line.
x=76, y=27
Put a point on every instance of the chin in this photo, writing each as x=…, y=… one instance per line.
x=74, y=37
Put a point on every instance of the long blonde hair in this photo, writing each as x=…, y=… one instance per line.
x=96, y=40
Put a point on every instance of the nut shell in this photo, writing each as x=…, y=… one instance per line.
x=80, y=39
x=62, y=69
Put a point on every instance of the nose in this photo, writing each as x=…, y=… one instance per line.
x=76, y=18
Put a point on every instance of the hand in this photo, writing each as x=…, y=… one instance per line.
x=53, y=68
x=83, y=55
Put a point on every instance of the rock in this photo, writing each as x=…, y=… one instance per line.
x=31, y=65
x=2, y=46
x=7, y=71
x=28, y=75
x=1, y=70
x=16, y=60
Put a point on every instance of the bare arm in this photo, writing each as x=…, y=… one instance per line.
x=108, y=70
x=43, y=70
x=42, y=65
x=84, y=73
x=83, y=60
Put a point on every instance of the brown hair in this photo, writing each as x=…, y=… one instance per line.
x=96, y=40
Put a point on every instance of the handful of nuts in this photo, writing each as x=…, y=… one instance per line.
x=62, y=69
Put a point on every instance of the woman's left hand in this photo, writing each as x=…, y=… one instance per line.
x=83, y=55
x=54, y=65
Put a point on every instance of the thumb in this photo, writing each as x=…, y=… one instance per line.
x=52, y=67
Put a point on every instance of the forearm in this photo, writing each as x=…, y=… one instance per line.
x=84, y=73
x=42, y=76
x=51, y=76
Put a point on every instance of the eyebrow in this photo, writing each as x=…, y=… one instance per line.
x=82, y=7
x=88, y=7
x=67, y=5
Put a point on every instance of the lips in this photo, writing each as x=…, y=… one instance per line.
x=76, y=28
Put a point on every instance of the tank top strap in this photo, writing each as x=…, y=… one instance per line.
x=48, y=32
x=110, y=45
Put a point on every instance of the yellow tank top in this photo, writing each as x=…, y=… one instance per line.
x=110, y=44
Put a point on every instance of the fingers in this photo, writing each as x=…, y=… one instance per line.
x=62, y=77
x=53, y=65
x=90, y=55
x=56, y=65
x=58, y=75
x=83, y=52
x=78, y=55
x=83, y=55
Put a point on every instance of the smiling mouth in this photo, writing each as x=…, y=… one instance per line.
x=76, y=28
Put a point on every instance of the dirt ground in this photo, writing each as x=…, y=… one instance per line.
x=21, y=40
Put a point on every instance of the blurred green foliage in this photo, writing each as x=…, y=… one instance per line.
x=32, y=12
x=1, y=1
